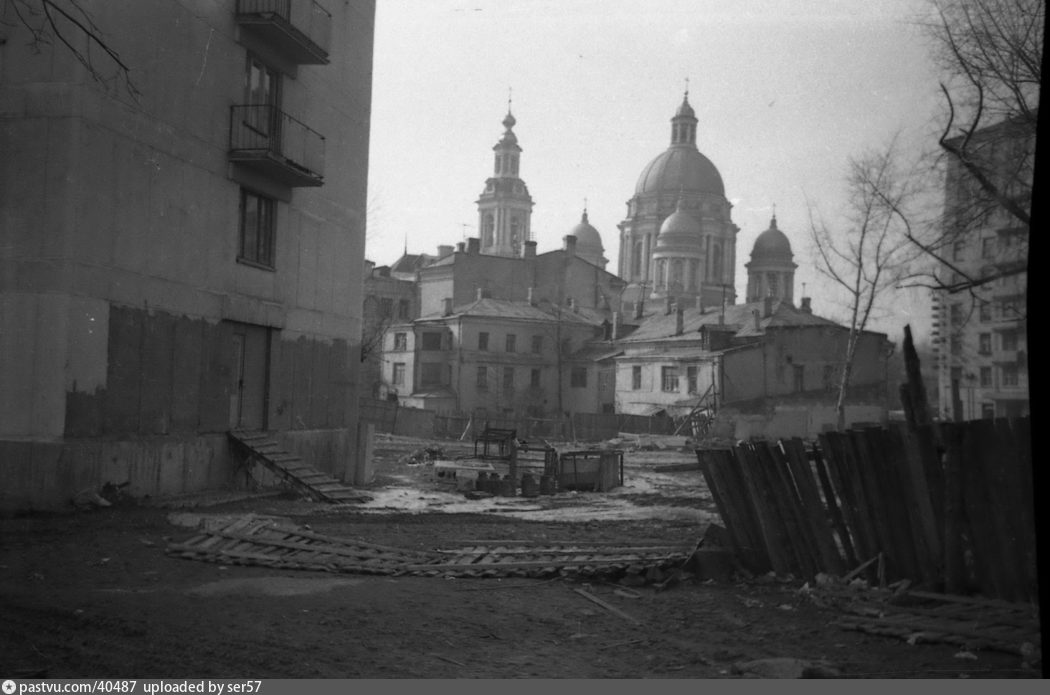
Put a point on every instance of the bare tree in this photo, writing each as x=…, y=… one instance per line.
x=990, y=55
x=68, y=24
x=871, y=253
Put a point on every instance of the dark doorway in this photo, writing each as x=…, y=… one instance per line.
x=250, y=353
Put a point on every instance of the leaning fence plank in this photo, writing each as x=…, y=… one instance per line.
x=954, y=519
x=924, y=526
x=789, y=506
x=770, y=525
x=976, y=502
x=816, y=516
x=869, y=476
x=734, y=507
x=831, y=500
x=834, y=456
x=895, y=504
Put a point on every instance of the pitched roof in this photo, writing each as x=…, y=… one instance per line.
x=739, y=319
x=488, y=307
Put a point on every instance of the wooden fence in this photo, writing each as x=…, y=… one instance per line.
x=395, y=419
x=949, y=506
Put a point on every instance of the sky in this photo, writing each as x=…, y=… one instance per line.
x=785, y=91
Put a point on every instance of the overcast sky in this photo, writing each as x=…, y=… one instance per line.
x=785, y=92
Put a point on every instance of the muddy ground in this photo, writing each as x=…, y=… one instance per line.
x=93, y=594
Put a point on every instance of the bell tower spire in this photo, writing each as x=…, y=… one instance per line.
x=683, y=124
x=505, y=206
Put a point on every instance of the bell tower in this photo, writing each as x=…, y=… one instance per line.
x=505, y=206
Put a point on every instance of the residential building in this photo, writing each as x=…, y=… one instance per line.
x=388, y=300
x=981, y=315
x=181, y=254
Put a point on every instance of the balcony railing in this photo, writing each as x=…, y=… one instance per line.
x=272, y=142
x=300, y=29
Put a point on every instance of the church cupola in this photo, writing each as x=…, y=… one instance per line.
x=683, y=124
x=505, y=206
x=771, y=271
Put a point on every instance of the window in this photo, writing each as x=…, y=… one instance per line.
x=430, y=374
x=262, y=89
x=508, y=378
x=404, y=309
x=690, y=379
x=400, y=342
x=537, y=344
x=482, y=382
x=578, y=378
x=985, y=312
x=1009, y=340
x=955, y=314
x=512, y=342
x=431, y=341
x=988, y=247
x=958, y=249
x=257, y=228
x=986, y=377
x=636, y=377
x=800, y=377
x=386, y=307
x=535, y=382
x=984, y=343
x=669, y=379
x=1009, y=375
x=956, y=345
x=988, y=411
x=399, y=374
x=483, y=341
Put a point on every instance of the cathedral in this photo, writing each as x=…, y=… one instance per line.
x=678, y=241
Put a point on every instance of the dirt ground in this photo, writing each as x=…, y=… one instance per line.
x=93, y=594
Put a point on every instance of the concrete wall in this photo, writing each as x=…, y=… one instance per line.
x=795, y=421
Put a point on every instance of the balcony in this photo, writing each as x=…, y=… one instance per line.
x=273, y=143
x=298, y=29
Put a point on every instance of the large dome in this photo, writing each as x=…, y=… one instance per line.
x=680, y=168
x=772, y=244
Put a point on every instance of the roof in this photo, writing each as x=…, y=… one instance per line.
x=680, y=168
x=488, y=307
x=772, y=244
x=739, y=318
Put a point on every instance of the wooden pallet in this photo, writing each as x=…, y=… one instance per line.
x=261, y=541
x=261, y=448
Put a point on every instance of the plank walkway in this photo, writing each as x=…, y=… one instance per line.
x=261, y=448
x=264, y=542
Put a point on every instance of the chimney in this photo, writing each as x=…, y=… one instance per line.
x=448, y=306
x=530, y=249
x=806, y=308
x=570, y=244
x=444, y=250
x=639, y=309
x=571, y=303
x=616, y=325
x=460, y=247
x=679, y=320
x=700, y=303
x=480, y=293
x=767, y=309
x=532, y=297
x=758, y=319
x=473, y=245
x=670, y=305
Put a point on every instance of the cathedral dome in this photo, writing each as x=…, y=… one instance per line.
x=680, y=168
x=586, y=235
x=772, y=244
x=679, y=229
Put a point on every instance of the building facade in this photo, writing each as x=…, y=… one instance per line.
x=981, y=315
x=183, y=255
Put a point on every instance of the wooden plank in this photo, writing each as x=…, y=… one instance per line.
x=876, y=506
x=776, y=544
x=785, y=498
x=831, y=501
x=608, y=606
x=735, y=512
x=894, y=505
x=983, y=528
x=1015, y=493
x=954, y=523
x=924, y=523
x=1021, y=470
x=812, y=507
x=835, y=456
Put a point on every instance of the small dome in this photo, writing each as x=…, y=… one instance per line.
x=586, y=235
x=679, y=229
x=772, y=244
x=680, y=168
x=509, y=121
